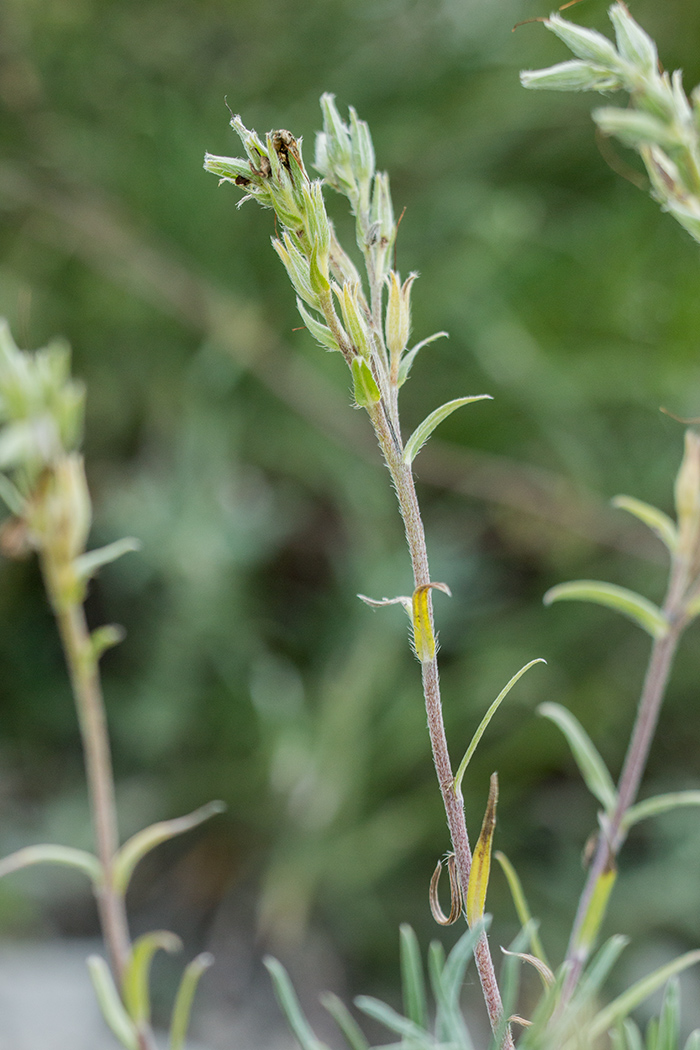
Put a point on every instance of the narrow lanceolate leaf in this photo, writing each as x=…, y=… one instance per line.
x=593, y=769
x=183, y=1000
x=49, y=854
x=88, y=564
x=143, y=841
x=321, y=332
x=415, y=1003
x=286, y=997
x=364, y=384
x=481, y=861
x=632, y=605
x=410, y=356
x=110, y=1004
x=521, y=906
x=596, y=909
x=651, y=807
x=137, y=998
x=629, y=1000
x=354, y=1036
x=423, y=634
x=421, y=434
x=486, y=719
x=657, y=521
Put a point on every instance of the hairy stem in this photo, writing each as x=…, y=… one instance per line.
x=402, y=477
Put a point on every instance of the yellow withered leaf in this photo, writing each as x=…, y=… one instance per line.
x=481, y=861
x=423, y=634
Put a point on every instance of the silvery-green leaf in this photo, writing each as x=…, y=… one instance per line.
x=641, y=990
x=593, y=769
x=394, y=1021
x=106, y=637
x=286, y=996
x=657, y=521
x=693, y=1041
x=651, y=807
x=50, y=854
x=143, y=841
x=354, y=1036
x=183, y=999
x=633, y=43
x=415, y=1002
x=137, y=997
x=587, y=44
x=88, y=564
x=632, y=605
x=574, y=75
x=421, y=434
x=110, y=1004
x=635, y=128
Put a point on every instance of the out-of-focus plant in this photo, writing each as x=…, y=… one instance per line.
x=371, y=330
x=43, y=484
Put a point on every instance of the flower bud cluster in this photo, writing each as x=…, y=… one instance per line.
x=661, y=123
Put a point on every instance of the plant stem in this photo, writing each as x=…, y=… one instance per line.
x=87, y=691
x=402, y=477
x=612, y=837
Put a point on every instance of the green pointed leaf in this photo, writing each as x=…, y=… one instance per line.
x=321, y=333
x=394, y=1021
x=144, y=841
x=364, y=384
x=88, y=564
x=459, y=776
x=658, y=522
x=593, y=769
x=693, y=1042
x=639, y=991
x=287, y=998
x=50, y=854
x=421, y=434
x=183, y=1000
x=410, y=355
x=415, y=1003
x=137, y=996
x=599, y=970
x=354, y=1036
x=110, y=1004
x=650, y=807
x=521, y=906
x=670, y=1017
x=632, y=605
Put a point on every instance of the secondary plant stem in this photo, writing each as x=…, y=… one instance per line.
x=613, y=835
x=87, y=691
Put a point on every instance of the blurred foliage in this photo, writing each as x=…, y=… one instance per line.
x=222, y=436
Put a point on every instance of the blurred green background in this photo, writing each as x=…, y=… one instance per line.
x=223, y=437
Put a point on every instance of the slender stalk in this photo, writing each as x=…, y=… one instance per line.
x=610, y=841
x=402, y=477
x=87, y=691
